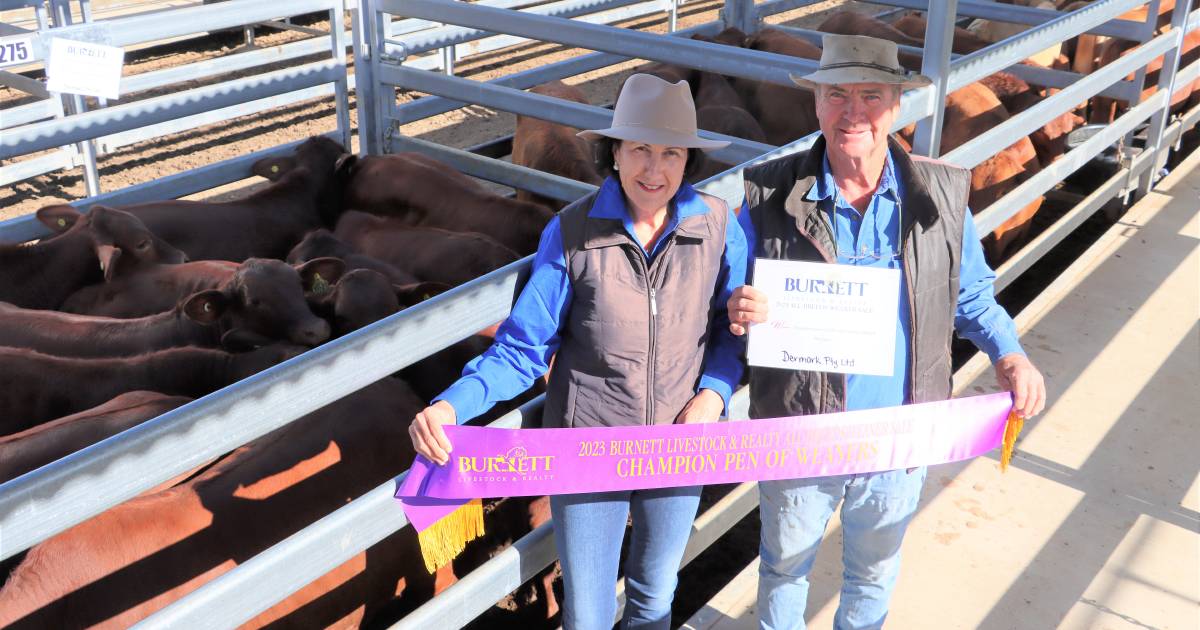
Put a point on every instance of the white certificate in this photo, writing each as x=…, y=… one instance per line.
x=828, y=318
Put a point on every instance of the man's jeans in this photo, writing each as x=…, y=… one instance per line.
x=588, y=530
x=876, y=510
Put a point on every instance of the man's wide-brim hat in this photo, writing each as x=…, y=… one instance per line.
x=860, y=59
x=655, y=111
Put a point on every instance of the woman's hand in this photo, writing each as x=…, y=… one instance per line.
x=427, y=435
x=705, y=406
x=746, y=305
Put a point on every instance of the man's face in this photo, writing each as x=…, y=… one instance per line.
x=856, y=117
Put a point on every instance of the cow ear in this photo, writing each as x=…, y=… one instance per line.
x=320, y=274
x=417, y=292
x=108, y=255
x=273, y=168
x=59, y=217
x=206, y=307
x=345, y=163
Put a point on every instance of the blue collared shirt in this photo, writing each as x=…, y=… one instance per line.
x=530, y=336
x=872, y=239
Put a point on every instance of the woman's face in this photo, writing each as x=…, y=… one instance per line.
x=650, y=174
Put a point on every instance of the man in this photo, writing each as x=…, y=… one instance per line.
x=857, y=198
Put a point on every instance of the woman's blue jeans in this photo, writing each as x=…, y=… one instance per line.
x=588, y=530
x=876, y=510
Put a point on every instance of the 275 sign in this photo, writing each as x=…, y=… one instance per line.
x=15, y=50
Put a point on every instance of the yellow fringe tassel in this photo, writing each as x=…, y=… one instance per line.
x=445, y=539
x=1012, y=429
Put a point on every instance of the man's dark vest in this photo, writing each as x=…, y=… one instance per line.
x=634, y=335
x=790, y=227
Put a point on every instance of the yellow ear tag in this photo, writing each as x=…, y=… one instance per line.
x=424, y=297
x=319, y=285
x=274, y=168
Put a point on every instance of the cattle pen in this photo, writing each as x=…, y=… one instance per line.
x=391, y=42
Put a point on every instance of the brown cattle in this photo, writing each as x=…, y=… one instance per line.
x=136, y=558
x=304, y=195
x=427, y=253
x=1104, y=110
x=36, y=447
x=970, y=111
x=421, y=191
x=362, y=297
x=965, y=41
x=1050, y=140
x=719, y=109
x=322, y=243
x=44, y=274
x=193, y=322
x=553, y=148
x=854, y=23
x=259, y=297
x=784, y=113
x=37, y=387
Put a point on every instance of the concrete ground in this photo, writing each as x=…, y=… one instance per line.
x=1097, y=525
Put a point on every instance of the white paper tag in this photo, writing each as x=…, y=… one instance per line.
x=826, y=318
x=85, y=68
x=15, y=50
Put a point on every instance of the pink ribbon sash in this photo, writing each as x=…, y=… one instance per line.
x=490, y=462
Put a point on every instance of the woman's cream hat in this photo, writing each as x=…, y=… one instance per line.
x=654, y=111
x=860, y=59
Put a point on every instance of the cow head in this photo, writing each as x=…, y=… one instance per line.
x=122, y=242
x=318, y=163
x=264, y=301
x=319, y=243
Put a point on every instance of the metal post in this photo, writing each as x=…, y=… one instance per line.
x=76, y=105
x=935, y=64
x=448, y=59
x=673, y=16
x=1166, y=82
x=341, y=90
x=369, y=25
x=740, y=14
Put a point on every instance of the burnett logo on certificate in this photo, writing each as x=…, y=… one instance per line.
x=828, y=318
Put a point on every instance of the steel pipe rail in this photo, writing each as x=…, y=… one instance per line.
x=984, y=145
x=266, y=579
x=998, y=56
x=96, y=123
x=1125, y=29
x=44, y=502
x=539, y=106
x=739, y=62
x=992, y=217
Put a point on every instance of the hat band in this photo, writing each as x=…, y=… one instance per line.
x=862, y=64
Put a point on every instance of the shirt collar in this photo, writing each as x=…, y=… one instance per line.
x=826, y=188
x=610, y=202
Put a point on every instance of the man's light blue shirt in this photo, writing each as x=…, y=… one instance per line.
x=530, y=336
x=873, y=239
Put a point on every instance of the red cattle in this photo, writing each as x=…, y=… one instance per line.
x=427, y=253
x=305, y=195
x=553, y=148
x=37, y=387
x=259, y=297
x=44, y=274
x=322, y=243
x=363, y=296
x=719, y=109
x=36, y=447
x=1050, y=140
x=965, y=41
x=784, y=113
x=421, y=191
x=136, y=558
x=1104, y=110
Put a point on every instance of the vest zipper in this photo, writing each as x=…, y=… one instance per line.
x=652, y=291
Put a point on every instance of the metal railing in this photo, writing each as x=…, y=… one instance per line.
x=46, y=501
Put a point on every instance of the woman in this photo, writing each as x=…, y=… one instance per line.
x=627, y=285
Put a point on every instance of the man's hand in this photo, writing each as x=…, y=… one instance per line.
x=705, y=406
x=427, y=435
x=746, y=305
x=1016, y=374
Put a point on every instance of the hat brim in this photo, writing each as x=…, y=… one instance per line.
x=653, y=135
x=843, y=76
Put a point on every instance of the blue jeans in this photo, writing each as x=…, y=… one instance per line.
x=588, y=530
x=876, y=510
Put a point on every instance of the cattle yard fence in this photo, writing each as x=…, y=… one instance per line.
x=46, y=501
